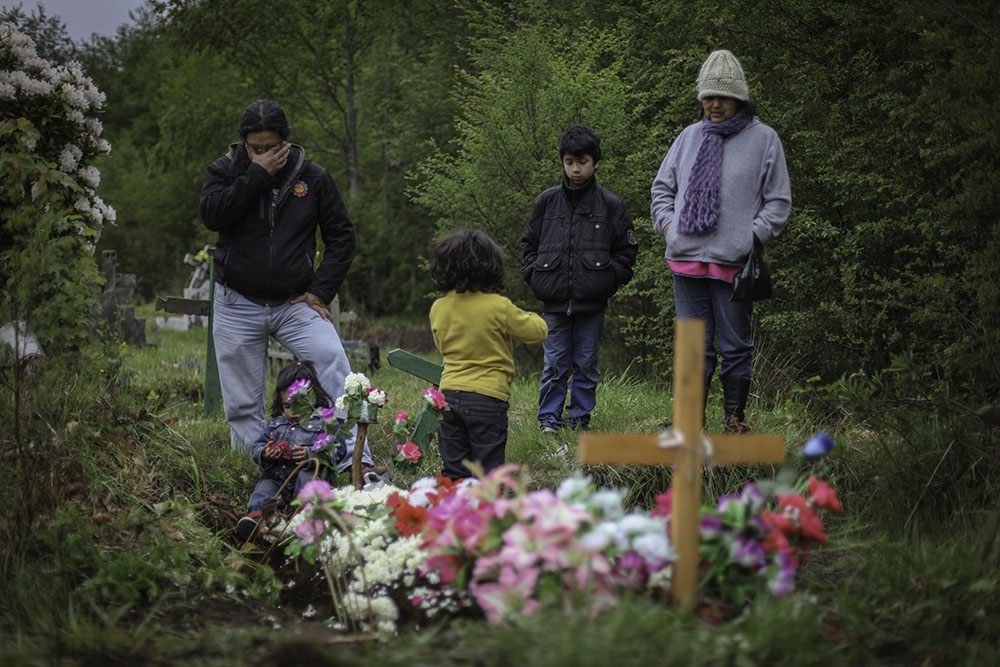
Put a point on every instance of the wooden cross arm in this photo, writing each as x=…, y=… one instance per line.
x=644, y=449
x=414, y=365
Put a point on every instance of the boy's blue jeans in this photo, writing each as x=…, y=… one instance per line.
x=571, y=347
x=727, y=323
x=241, y=330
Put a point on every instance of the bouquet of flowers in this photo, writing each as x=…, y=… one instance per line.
x=413, y=434
x=359, y=403
x=490, y=542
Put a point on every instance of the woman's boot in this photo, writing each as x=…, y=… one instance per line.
x=734, y=402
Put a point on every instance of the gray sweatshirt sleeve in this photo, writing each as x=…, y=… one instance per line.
x=776, y=194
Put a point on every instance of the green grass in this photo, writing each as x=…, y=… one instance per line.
x=121, y=496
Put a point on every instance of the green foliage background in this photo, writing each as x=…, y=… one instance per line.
x=433, y=116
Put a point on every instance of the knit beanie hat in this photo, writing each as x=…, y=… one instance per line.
x=721, y=75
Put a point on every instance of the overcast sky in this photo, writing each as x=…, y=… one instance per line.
x=82, y=17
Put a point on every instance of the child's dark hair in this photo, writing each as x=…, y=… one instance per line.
x=467, y=260
x=300, y=370
x=579, y=140
x=259, y=116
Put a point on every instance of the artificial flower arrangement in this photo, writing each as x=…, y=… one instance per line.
x=491, y=544
x=413, y=434
x=360, y=402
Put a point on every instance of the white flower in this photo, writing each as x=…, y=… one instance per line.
x=94, y=96
x=91, y=175
x=377, y=397
x=600, y=538
x=95, y=126
x=69, y=158
x=75, y=96
x=340, y=403
x=573, y=489
x=654, y=547
x=28, y=85
x=607, y=504
x=104, y=146
x=7, y=90
x=356, y=384
x=76, y=116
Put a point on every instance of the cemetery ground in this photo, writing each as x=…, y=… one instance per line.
x=117, y=547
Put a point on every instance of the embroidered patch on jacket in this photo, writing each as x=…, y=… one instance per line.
x=300, y=189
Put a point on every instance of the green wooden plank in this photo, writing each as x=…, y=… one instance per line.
x=414, y=365
x=213, y=389
x=176, y=304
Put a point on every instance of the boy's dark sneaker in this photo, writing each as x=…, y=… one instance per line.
x=245, y=527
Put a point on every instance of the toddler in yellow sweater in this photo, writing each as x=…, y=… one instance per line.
x=474, y=327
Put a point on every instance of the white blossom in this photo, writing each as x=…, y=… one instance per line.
x=7, y=90
x=356, y=384
x=91, y=175
x=75, y=96
x=377, y=397
x=69, y=158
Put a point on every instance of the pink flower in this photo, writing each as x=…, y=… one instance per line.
x=409, y=451
x=435, y=398
x=317, y=490
x=401, y=417
x=297, y=387
x=328, y=414
x=824, y=495
x=320, y=441
x=664, y=504
x=309, y=530
x=510, y=597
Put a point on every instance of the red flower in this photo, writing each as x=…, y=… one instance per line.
x=824, y=495
x=780, y=523
x=796, y=507
x=409, y=519
x=395, y=500
x=409, y=451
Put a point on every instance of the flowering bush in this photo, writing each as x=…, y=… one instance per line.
x=49, y=136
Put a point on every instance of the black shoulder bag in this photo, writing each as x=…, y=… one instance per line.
x=753, y=282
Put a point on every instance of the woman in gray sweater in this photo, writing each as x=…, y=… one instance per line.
x=722, y=187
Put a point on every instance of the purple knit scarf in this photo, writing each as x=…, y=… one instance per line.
x=700, y=215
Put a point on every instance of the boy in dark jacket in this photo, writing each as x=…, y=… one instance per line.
x=579, y=248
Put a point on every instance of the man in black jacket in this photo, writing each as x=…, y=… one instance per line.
x=265, y=199
x=579, y=248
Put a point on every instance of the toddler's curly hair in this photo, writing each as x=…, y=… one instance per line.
x=467, y=260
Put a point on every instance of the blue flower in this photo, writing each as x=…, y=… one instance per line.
x=818, y=446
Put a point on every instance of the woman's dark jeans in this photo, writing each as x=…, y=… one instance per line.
x=726, y=323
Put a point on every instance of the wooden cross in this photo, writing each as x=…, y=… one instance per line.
x=686, y=451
